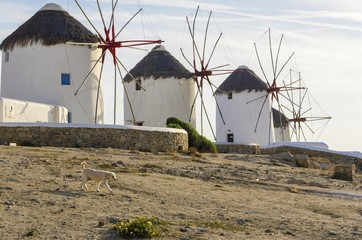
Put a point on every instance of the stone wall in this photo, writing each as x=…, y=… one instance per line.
x=237, y=148
x=95, y=136
x=333, y=157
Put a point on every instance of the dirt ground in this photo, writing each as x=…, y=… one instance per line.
x=215, y=196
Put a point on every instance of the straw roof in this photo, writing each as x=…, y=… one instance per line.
x=279, y=119
x=50, y=25
x=158, y=63
x=242, y=79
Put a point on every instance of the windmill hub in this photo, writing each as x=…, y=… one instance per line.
x=303, y=119
x=203, y=73
x=273, y=89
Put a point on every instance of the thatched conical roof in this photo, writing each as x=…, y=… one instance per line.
x=279, y=119
x=242, y=79
x=158, y=63
x=50, y=25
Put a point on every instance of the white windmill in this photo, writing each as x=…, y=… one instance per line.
x=170, y=90
x=39, y=65
x=240, y=115
x=288, y=93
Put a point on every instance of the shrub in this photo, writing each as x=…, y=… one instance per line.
x=174, y=125
x=142, y=227
x=31, y=232
x=201, y=143
x=206, y=145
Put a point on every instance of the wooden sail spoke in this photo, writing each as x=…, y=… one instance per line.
x=109, y=43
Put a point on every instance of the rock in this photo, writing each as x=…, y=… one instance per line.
x=113, y=220
x=242, y=221
x=232, y=157
x=286, y=156
x=200, y=230
x=345, y=172
x=314, y=165
x=120, y=163
x=9, y=203
x=291, y=233
x=301, y=157
x=184, y=229
x=101, y=223
x=294, y=190
x=305, y=163
x=325, y=166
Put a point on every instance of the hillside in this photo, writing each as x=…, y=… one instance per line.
x=212, y=196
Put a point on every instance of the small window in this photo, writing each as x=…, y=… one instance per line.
x=7, y=56
x=69, y=117
x=230, y=137
x=230, y=95
x=65, y=79
x=138, y=84
x=138, y=123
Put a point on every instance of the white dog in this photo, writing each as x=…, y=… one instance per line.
x=99, y=176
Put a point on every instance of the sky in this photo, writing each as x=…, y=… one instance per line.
x=325, y=36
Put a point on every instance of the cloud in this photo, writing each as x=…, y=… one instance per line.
x=187, y=4
x=323, y=19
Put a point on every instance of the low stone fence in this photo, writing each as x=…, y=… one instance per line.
x=95, y=136
x=333, y=157
x=237, y=148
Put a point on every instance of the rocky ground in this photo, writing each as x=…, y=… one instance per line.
x=212, y=196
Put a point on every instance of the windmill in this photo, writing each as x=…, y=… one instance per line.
x=307, y=118
x=109, y=43
x=200, y=64
x=288, y=93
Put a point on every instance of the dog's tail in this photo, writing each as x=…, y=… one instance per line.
x=83, y=164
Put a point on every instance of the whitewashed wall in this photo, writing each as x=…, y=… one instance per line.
x=282, y=134
x=12, y=110
x=240, y=114
x=161, y=99
x=33, y=73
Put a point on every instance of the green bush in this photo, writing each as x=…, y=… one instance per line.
x=31, y=232
x=142, y=227
x=197, y=141
x=206, y=146
x=174, y=125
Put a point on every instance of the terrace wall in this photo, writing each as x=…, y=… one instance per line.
x=95, y=136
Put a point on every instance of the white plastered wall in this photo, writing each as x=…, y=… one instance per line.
x=12, y=110
x=161, y=99
x=282, y=134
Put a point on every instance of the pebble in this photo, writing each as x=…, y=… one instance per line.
x=9, y=203
x=35, y=200
x=101, y=223
x=200, y=230
x=242, y=221
x=113, y=220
